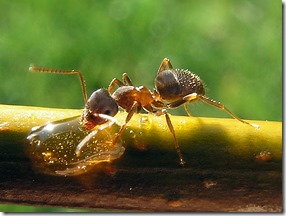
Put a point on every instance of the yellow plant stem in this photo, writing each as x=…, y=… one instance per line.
x=206, y=142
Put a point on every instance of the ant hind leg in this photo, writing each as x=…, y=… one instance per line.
x=166, y=62
x=194, y=96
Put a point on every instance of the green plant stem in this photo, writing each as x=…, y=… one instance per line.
x=206, y=142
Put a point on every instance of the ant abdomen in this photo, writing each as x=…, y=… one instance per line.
x=173, y=84
x=179, y=87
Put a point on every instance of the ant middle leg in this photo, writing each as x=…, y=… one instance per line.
x=187, y=109
x=172, y=130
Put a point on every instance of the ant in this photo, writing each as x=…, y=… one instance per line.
x=174, y=87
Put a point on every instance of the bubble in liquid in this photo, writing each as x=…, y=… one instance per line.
x=132, y=134
x=145, y=123
x=52, y=147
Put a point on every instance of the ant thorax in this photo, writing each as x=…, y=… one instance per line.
x=125, y=96
x=174, y=84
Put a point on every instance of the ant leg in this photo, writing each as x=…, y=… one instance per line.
x=112, y=84
x=93, y=159
x=115, y=81
x=179, y=102
x=172, y=130
x=187, y=109
x=126, y=80
x=164, y=64
x=156, y=95
x=194, y=96
x=56, y=71
x=128, y=118
x=222, y=107
x=90, y=136
x=111, y=120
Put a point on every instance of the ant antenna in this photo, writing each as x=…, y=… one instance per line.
x=56, y=71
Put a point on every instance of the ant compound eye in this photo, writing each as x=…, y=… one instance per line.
x=101, y=102
x=107, y=112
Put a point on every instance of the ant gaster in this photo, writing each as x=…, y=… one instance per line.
x=178, y=86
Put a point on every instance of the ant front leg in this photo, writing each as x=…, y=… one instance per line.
x=102, y=127
x=126, y=80
x=133, y=110
x=166, y=62
x=112, y=84
x=172, y=130
x=115, y=81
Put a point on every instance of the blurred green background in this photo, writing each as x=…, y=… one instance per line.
x=234, y=46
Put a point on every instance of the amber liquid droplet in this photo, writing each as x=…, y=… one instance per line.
x=52, y=147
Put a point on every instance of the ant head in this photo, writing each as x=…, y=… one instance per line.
x=100, y=102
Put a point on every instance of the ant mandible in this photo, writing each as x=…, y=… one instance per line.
x=178, y=86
